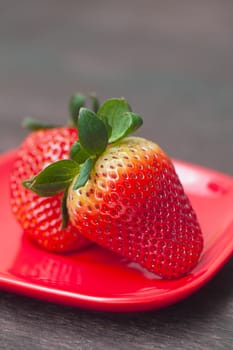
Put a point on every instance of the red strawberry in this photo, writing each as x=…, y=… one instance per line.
x=134, y=205
x=126, y=195
x=41, y=218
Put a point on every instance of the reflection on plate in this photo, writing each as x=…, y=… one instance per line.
x=97, y=279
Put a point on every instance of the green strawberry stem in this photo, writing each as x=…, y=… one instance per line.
x=113, y=121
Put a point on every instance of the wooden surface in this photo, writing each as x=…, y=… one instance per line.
x=173, y=60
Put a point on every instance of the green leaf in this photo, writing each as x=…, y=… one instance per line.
x=113, y=108
x=93, y=135
x=107, y=126
x=64, y=210
x=76, y=102
x=54, y=178
x=127, y=123
x=84, y=174
x=34, y=125
x=78, y=154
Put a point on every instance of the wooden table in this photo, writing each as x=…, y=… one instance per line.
x=173, y=61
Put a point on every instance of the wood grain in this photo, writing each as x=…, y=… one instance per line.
x=173, y=60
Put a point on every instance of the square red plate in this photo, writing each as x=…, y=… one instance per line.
x=97, y=279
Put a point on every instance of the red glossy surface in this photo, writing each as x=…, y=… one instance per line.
x=98, y=279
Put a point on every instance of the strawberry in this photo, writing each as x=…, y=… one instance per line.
x=124, y=193
x=41, y=218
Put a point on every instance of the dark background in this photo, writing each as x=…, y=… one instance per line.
x=173, y=61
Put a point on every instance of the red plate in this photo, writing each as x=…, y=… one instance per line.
x=98, y=279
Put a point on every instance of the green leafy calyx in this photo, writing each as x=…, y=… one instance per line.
x=93, y=134
x=34, y=125
x=76, y=102
x=54, y=179
x=113, y=121
x=97, y=128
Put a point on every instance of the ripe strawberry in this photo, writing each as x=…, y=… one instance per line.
x=126, y=195
x=41, y=218
x=134, y=205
